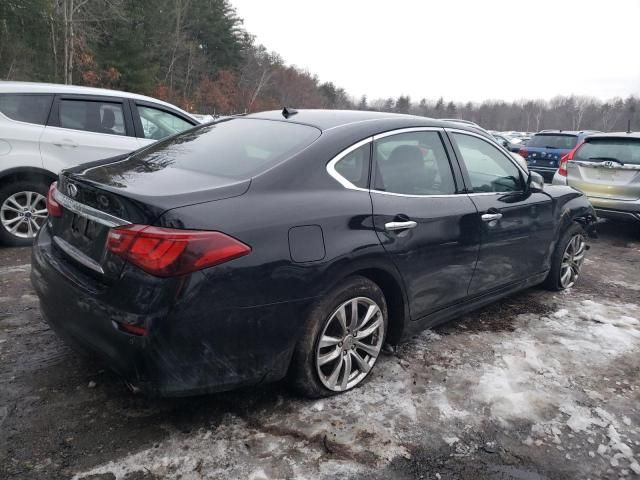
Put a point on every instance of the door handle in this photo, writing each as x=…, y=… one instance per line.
x=490, y=217
x=66, y=143
x=391, y=226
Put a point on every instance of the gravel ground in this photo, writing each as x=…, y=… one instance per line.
x=537, y=386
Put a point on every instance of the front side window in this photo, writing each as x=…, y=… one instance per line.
x=488, y=168
x=355, y=166
x=158, y=124
x=26, y=108
x=92, y=116
x=414, y=163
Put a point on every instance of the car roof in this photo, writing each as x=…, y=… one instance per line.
x=33, y=87
x=616, y=135
x=329, y=119
x=567, y=132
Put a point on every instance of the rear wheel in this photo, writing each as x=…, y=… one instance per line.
x=567, y=259
x=23, y=210
x=343, y=340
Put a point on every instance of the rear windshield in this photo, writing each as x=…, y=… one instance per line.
x=625, y=150
x=544, y=140
x=238, y=148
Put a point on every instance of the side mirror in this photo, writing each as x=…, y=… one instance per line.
x=505, y=144
x=535, y=181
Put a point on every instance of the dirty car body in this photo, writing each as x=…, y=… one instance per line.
x=298, y=203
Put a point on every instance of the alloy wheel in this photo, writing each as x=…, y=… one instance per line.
x=350, y=344
x=23, y=213
x=572, y=261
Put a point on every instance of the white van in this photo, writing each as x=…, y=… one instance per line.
x=45, y=128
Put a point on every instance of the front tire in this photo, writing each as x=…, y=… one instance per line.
x=23, y=211
x=343, y=339
x=567, y=259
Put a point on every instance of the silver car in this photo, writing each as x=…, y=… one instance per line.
x=606, y=167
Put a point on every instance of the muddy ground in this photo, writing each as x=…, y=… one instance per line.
x=537, y=386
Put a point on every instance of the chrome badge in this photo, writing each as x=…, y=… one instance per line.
x=72, y=190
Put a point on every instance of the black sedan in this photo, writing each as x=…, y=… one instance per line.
x=293, y=244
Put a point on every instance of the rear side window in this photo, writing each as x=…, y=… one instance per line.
x=355, y=166
x=624, y=150
x=92, y=116
x=238, y=148
x=564, y=142
x=158, y=124
x=413, y=163
x=26, y=108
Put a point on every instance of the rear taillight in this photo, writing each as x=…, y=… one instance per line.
x=166, y=252
x=54, y=209
x=562, y=168
x=523, y=152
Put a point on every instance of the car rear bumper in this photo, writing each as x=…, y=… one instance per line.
x=188, y=349
x=621, y=210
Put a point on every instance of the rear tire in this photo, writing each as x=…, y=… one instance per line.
x=23, y=211
x=331, y=356
x=567, y=259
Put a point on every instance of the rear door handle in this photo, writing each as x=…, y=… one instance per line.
x=490, y=217
x=391, y=226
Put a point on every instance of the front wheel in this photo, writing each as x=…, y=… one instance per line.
x=567, y=260
x=343, y=339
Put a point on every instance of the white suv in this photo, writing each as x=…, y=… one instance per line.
x=45, y=128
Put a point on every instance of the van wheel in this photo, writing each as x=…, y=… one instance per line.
x=343, y=339
x=23, y=210
x=567, y=259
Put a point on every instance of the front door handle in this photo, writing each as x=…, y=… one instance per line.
x=391, y=226
x=66, y=143
x=490, y=217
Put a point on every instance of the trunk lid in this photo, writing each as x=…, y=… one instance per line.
x=607, y=167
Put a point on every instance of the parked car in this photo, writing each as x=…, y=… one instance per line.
x=544, y=150
x=606, y=167
x=508, y=143
x=45, y=128
x=265, y=245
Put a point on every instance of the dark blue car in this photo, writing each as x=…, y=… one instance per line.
x=545, y=149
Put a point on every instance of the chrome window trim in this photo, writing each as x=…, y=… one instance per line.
x=77, y=255
x=407, y=130
x=91, y=213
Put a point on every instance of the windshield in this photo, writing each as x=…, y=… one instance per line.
x=624, y=150
x=544, y=140
x=238, y=148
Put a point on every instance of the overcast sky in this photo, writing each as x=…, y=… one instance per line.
x=462, y=50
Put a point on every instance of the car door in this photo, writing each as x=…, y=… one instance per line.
x=422, y=217
x=84, y=128
x=515, y=224
x=154, y=122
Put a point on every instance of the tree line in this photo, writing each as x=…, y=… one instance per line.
x=196, y=54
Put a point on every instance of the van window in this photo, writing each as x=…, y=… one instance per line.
x=26, y=107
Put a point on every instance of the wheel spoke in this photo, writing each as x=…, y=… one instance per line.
x=370, y=349
x=17, y=225
x=333, y=378
x=341, y=315
x=33, y=222
x=6, y=207
x=369, y=330
x=327, y=341
x=347, y=371
x=371, y=311
x=327, y=357
x=41, y=212
x=354, y=315
x=565, y=276
x=11, y=221
x=362, y=365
